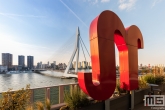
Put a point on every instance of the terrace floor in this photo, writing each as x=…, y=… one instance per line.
x=142, y=107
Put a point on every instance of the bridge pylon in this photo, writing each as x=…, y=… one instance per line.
x=76, y=50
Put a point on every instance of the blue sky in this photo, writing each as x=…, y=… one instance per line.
x=41, y=27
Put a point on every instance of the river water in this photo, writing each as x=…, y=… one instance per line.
x=20, y=80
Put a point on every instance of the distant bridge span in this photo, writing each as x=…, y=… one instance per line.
x=38, y=69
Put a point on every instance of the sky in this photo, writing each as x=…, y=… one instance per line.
x=46, y=29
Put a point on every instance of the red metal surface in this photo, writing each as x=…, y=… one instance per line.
x=105, y=30
x=129, y=75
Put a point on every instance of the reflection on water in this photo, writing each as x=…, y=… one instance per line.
x=20, y=80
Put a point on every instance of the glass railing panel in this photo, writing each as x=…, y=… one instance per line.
x=67, y=88
x=0, y=95
x=54, y=95
x=39, y=95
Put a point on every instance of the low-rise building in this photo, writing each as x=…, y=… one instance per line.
x=44, y=66
x=20, y=67
x=64, y=66
x=3, y=69
x=53, y=66
x=84, y=64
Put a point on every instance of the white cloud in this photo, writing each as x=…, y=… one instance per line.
x=121, y=1
x=103, y=1
x=96, y=1
x=126, y=4
x=155, y=2
x=93, y=1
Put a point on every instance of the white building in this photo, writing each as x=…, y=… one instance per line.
x=64, y=66
x=3, y=68
x=74, y=64
x=54, y=62
x=44, y=66
x=84, y=64
x=39, y=65
x=79, y=65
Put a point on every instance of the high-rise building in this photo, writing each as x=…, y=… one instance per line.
x=7, y=60
x=30, y=62
x=21, y=60
x=54, y=64
x=48, y=63
x=40, y=64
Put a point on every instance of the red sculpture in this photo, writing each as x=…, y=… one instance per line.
x=105, y=30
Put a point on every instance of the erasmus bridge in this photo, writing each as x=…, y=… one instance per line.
x=79, y=42
x=73, y=53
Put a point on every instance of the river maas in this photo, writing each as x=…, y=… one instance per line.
x=20, y=80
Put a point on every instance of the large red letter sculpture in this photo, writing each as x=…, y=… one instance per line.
x=105, y=30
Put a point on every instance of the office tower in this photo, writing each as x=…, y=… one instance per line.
x=48, y=64
x=30, y=62
x=54, y=62
x=7, y=60
x=21, y=60
x=40, y=66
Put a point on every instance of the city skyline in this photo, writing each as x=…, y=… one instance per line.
x=40, y=28
x=21, y=60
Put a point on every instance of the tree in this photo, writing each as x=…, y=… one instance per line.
x=15, y=100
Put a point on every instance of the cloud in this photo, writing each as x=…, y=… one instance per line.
x=96, y=1
x=18, y=15
x=155, y=2
x=104, y=1
x=126, y=4
x=93, y=1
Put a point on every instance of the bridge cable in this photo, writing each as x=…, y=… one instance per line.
x=84, y=46
x=84, y=54
x=63, y=50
